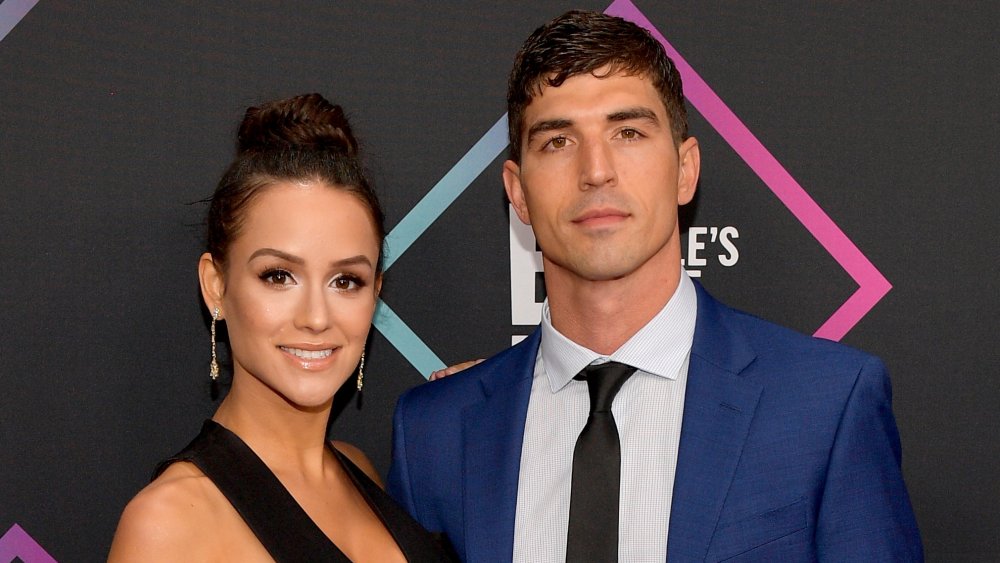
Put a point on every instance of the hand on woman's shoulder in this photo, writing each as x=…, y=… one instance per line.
x=169, y=520
x=453, y=369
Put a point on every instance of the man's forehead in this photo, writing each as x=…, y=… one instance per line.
x=599, y=95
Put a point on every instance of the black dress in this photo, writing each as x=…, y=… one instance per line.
x=284, y=529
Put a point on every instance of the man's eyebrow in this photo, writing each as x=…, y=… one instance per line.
x=634, y=113
x=547, y=125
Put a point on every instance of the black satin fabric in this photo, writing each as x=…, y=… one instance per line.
x=282, y=527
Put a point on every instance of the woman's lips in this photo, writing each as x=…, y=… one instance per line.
x=312, y=358
x=308, y=354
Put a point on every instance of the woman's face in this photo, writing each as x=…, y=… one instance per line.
x=299, y=290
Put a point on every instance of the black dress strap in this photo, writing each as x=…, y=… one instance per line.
x=417, y=545
x=281, y=525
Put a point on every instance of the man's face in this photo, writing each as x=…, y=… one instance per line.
x=600, y=178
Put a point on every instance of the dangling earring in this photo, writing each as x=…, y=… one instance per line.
x=361, y=372
x=213, y=370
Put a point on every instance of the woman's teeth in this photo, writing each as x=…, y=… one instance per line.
x=308, y=354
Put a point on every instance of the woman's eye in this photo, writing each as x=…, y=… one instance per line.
x=346, y=283
x=277, y=277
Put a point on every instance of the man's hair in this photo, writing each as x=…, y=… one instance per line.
x=580, y=42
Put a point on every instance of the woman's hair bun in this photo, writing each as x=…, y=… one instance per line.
x=308, y=121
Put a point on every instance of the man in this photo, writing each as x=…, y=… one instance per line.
x=728, y=437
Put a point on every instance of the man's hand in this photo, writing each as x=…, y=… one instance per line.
x=451, y=370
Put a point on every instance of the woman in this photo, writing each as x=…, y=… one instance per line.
x=295, y=234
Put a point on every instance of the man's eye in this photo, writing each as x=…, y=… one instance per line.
x=558, y=143
x=630, y=134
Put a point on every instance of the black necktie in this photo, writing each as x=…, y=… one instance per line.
x=593, y=505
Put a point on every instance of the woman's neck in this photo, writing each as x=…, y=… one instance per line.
x=288, y=438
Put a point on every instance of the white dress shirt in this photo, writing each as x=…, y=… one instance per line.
x=648, y=412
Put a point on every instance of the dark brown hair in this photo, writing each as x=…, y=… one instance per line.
x=300, y=138
x=578, y=42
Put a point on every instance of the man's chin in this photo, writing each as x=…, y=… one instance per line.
x=604, y=270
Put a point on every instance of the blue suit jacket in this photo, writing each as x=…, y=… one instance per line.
x=788, y=451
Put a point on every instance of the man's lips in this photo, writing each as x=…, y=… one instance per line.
x=598, y=217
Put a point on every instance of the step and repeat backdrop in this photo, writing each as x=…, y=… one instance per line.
x=849, y=190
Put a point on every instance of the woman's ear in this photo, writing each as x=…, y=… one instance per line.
x=213, y=285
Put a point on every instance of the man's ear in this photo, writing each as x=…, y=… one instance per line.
x=213, y=284
x=688, y=169
x=515, y=191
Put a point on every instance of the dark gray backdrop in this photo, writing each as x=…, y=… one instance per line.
x=116, y=117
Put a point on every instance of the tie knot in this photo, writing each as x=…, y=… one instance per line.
x=604, y=381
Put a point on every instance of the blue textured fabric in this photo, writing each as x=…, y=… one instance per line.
x=789, y=451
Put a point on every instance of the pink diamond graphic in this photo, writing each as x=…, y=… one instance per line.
x=872, y=285
x=16, y=543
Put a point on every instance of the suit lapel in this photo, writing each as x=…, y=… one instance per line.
x=493, y=431
x=718, y=408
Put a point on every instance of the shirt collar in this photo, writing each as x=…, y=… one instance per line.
x=660, y=347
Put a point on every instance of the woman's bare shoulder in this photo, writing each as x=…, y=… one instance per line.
x=170, y=519
x=359, y=458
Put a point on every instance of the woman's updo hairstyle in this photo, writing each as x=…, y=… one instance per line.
x=300, y=138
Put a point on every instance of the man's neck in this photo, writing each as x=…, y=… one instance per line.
x=603, y=315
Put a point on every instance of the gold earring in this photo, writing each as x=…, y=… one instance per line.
x=213, y=370
x=361, y=372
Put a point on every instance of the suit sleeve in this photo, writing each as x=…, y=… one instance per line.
x=865, y=512
x=398, y=482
